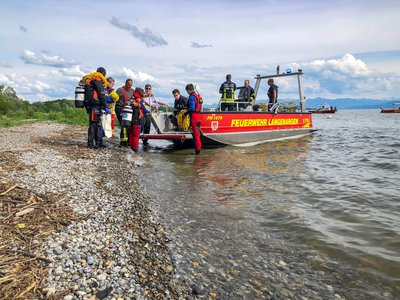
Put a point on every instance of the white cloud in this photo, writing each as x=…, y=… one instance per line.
x=41, y=86
x=74, y=71
x=137, y=76
x=5, y=80
x=5, y=65
x=347, y=77
x=42, y=97
x=29, y=57
x=348, y=64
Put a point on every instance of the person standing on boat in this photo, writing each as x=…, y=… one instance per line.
x=125, y=93
x=246, y=94
x=272, y=93
x=180, y=103
x=151, y=102
x=195, y=103
x=148, y=93
x=227, y=90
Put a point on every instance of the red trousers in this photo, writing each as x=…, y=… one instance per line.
x=134, y=137
x=196, y=132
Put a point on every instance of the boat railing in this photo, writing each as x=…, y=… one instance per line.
x=286, y=107
x=156, y=104
x=236, y=105
x=298, y=74
x=277, y=107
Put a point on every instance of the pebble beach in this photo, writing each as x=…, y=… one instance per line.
x=115, y=245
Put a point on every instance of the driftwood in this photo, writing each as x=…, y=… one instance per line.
x=9, y=190
x=24, y=212
x=25, y=217
x=30, y=287
x=27, y=254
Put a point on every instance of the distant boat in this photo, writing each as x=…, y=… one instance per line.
x=395, y=109
x=323, y=109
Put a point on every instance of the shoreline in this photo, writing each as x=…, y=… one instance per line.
x=110, y=237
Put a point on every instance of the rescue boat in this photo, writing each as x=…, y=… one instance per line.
x=324, y=109
x=395, y=109
x=251, y=126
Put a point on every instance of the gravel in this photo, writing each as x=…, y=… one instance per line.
x=116, y=242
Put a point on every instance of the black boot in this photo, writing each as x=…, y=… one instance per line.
x=91, y=145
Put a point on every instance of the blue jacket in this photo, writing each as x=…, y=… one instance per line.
x=191, y=104
x=145, y=110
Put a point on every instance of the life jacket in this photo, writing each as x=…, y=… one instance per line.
x=228, y=91
x=125, y=94
x=111, y=97
x=198, y=102
x=137, y=114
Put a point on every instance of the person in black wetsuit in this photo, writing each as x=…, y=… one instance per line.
x=272, y=93
x=180, y=103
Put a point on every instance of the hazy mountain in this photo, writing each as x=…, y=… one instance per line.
x=340, y=103
x=349, y=103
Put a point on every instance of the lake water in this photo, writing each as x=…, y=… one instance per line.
x=317, y=217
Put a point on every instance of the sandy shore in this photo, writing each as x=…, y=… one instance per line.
x=100, y=231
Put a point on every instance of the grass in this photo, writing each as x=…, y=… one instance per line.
x=60, y=111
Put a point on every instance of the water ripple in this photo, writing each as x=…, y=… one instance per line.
x=335, y=194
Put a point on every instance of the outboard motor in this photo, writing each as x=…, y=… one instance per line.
x=79, y=96
x=127, y=113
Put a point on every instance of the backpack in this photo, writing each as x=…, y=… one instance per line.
x=91, y=96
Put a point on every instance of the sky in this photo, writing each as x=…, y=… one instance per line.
x=346, y=49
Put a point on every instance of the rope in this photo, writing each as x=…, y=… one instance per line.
x=183, y=121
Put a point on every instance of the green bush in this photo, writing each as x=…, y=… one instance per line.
x=15, y=111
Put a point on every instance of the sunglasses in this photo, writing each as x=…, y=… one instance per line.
x=148, y=88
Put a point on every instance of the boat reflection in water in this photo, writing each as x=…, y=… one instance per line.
x=252, y=171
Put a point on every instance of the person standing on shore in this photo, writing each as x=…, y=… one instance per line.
x=125, y=93
x=111, y=97
x=138, y=111
x=272, y=93
x=195, y=103
x=227, y=90
x=95, y=103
